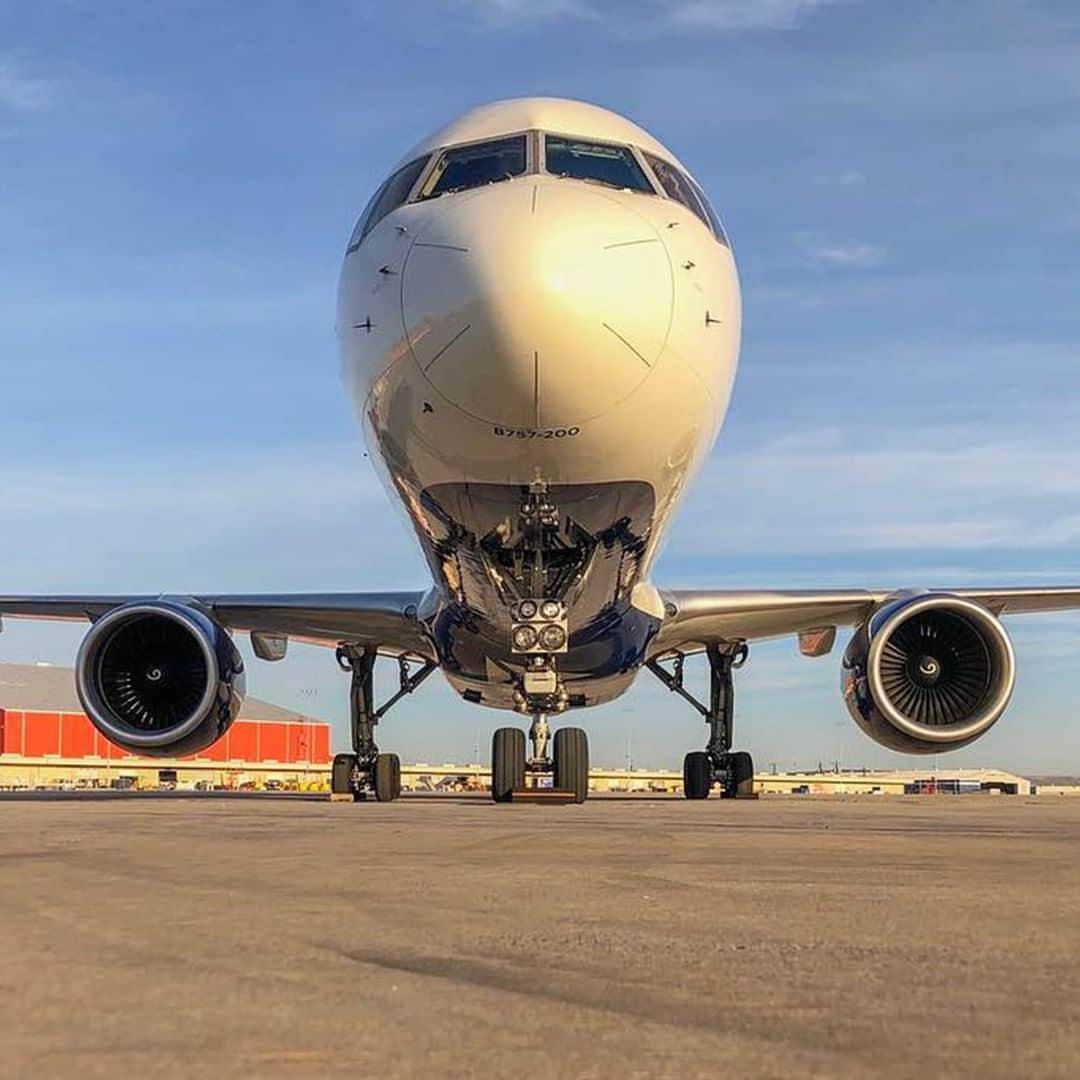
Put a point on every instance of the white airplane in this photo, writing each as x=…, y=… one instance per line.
x=539, y=320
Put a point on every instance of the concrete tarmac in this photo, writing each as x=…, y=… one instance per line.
x=784, y=937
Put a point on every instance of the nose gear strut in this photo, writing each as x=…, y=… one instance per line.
x=539, y=732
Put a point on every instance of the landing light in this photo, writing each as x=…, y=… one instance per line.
x=552, y=638
x=539, y=625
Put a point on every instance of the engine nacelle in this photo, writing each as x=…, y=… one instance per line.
x=928, y=672
x=160, y=678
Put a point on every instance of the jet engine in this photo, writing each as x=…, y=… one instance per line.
x=160, y=678
x=928, y=672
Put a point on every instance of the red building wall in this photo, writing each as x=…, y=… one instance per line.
x=71, y=735
x=41, y=733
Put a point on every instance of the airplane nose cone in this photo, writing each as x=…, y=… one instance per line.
x=536, y=303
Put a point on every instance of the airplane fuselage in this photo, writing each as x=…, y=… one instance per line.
x=541, y=362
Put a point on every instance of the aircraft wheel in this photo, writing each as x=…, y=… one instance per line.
x=697, y=772
x=507, y=763
x=740, y=776
x=341, y=774
x=570, y=757
x=387, y=777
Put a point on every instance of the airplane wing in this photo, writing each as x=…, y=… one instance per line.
x=695, y=618
x=385, y=619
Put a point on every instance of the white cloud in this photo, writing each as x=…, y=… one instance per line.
x=527, y=11
x=847, y=256
x=911, y=489
x=719, y=15
x=850, y=178
x=741, y=14
x=293, y=518
x=21, y=93
x=194, y=304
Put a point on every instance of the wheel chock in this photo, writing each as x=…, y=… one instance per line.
x=555, y=796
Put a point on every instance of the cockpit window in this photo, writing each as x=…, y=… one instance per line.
x=387, y=199
x=603, y=163
x=473, y=166
x=714, y=219
x=682, y=189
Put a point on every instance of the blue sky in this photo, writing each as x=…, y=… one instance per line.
x=902, y=186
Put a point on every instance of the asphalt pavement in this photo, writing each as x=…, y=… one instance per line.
x=782, y=937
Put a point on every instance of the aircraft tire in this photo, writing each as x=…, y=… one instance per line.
x=740, y=778
x=507, y=763
x=341, y=774
x=697, y=774
x=570, y=757
x=387, y=777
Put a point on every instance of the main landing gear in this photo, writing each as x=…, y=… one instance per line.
x=365, y=771
x=568, y=764
x=717, y=763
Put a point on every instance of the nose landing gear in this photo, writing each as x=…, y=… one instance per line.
x=717, y=764
x=541, y=691
x=568, y=765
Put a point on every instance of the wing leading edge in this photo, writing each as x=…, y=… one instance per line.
x=385, y=619
x=695, y=618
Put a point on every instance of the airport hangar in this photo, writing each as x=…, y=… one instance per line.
x=47, y=741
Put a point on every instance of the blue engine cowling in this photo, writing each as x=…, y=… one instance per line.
x=160, y=678
x=928, y=672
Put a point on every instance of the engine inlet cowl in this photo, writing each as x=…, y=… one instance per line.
x=928, y=672
x=159, y=678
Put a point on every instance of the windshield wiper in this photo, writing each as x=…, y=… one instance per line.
x=592, y=180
